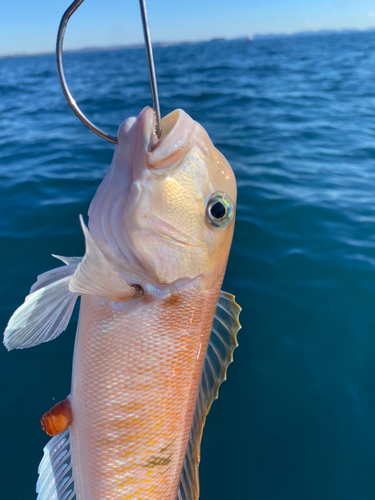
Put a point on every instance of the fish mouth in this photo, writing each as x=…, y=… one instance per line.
x=175, y=141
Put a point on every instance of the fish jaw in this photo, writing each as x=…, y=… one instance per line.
x=149, y=214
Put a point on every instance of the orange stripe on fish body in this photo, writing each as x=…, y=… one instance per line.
x=57, y=419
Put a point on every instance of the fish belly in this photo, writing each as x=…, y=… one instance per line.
x=136, y=374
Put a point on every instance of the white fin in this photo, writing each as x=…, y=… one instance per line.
x=56, y=476
x=56, y=274
x=219, y=355
x=95, y=275
x=68, y=260
x=46, y=311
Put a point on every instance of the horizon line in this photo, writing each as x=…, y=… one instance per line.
x=246, y=38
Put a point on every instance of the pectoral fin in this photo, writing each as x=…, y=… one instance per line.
x=46, y=311
x=96, y=276
x=219, y=355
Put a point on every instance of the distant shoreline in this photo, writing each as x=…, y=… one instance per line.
x=245, y=39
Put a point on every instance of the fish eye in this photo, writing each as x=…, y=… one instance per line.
x=219, y=210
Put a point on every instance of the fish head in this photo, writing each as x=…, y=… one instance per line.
x=166, y=208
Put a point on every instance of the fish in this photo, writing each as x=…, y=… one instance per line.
x=155, y=333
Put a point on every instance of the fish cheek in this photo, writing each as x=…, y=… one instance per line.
x=179, y=198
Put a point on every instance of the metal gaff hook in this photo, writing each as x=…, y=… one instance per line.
x=60, y=69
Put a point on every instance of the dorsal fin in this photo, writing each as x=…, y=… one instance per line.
x=219, y=355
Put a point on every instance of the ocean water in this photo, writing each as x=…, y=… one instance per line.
x=295, y=118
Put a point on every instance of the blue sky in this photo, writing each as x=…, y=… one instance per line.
x=28, y=26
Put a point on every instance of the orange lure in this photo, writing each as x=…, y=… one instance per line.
x=57, y=419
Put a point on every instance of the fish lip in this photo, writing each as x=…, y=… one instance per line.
x=175, y=141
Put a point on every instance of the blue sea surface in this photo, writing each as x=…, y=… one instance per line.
x=295, y=117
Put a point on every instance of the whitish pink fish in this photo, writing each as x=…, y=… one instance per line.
x=155, y=332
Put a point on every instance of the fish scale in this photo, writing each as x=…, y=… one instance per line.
x=139, y=371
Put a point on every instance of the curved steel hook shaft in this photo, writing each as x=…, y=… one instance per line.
x=60, y=69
